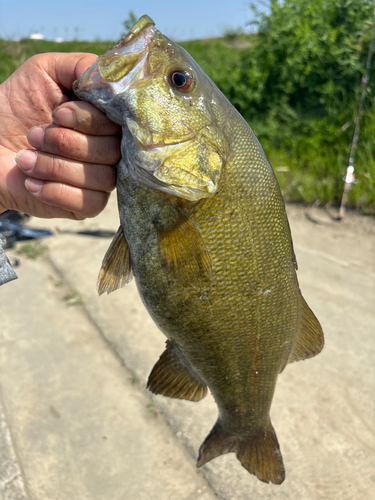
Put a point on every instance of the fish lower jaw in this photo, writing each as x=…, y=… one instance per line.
x=186, y=193
x=150, y=180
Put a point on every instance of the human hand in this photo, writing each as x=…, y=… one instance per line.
x=70, y=173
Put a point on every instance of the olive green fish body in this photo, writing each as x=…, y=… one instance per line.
x=249, y=310
x=205, y=234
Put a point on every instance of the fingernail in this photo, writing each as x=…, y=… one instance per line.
x=34, y=185
x=64, y=117
x=26, y=159
x=35, y=136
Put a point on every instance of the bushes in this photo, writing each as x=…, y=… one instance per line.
x=297, y=82
x=299, y=89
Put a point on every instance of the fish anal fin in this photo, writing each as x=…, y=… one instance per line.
x=310, y=340
x=259, y=454
x=173, y=377
x=116, y=266
x=184, y=252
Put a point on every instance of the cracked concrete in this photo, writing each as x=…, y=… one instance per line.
x=72, y=380
x=11, y=482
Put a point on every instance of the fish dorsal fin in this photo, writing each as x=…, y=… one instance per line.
x=174, y=377
x=183, y=251
x=310, y=340
x=116, y=267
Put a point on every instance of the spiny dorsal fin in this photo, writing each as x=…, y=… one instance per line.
x=259, y=453
x=310, y=340
x=116, y=267
x=183, y=250
x=173, y=377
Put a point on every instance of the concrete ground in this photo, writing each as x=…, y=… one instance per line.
x=76, y=422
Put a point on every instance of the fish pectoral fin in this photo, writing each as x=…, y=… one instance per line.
x=183, y=251
x=173, y=376
x=310, y=340
x=116, y=267
x=259, y=454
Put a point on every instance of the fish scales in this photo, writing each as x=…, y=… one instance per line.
x=205, y=234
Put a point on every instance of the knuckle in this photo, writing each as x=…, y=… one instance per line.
x=49, y=167
x=78, y=216
x=64, y=141
x=113, y=149
x=96, y=204
x=67, y=143
x=35, y=60
x=106, y=178
x=56, y=166
x=59, y=193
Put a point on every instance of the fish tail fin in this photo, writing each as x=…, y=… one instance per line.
x=259, y=453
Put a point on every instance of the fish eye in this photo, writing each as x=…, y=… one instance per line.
x=181, y=79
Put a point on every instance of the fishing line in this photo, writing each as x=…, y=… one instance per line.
x=350, y=176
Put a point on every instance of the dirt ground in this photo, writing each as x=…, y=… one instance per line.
x=76, y=422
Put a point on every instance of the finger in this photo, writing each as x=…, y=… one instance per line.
x=85, y=118
x=64, y=68
x=23, y=200
x=80, y=202
x=48, y=167
x=75, y=145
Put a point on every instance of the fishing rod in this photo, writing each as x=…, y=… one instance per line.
x=349, y=178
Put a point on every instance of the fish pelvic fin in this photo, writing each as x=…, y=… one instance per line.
x=116, y=267
x=184, y=252
x=259, y=454
x=310, y=340
x=173, y=376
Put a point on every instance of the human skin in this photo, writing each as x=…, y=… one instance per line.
x=56, y=153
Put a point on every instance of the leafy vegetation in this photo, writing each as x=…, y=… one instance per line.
x=299, y=88
x=129, y=22
x=297, y=82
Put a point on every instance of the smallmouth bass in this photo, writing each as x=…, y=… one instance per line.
x=205, y=234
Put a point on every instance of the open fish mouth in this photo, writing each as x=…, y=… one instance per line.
x=119, y=67
x=164, y=146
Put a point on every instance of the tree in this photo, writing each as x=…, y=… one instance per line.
x=129, y=22
x=299, y=88
x=310, y=57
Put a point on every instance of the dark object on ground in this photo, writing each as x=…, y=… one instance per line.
x=12, y=228
x=99, y=233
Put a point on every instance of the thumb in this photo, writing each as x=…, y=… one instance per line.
x=64, y=68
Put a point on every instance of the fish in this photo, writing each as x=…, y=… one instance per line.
x=204, y=232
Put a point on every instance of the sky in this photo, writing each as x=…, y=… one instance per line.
x=93, y=19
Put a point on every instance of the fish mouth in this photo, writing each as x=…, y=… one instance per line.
x=172, y=176
x=119, y=67
x=191, y=193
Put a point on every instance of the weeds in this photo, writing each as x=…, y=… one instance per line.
x=73, y=297
x=32, y=250
x=153, y=410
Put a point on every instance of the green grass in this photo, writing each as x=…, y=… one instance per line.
x=32, y=250
x=13, y=54
x=73, y=297
x=213, y=55
x=316, y=159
